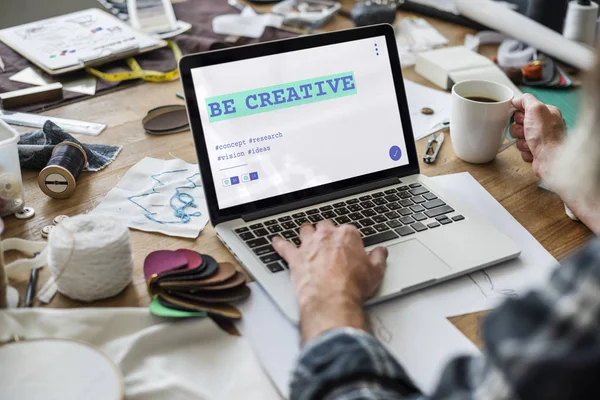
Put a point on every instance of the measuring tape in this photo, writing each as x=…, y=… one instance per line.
x=138, y=73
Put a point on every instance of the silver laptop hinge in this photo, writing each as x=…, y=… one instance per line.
x=320, y=199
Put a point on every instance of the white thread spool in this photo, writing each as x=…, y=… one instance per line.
x=89, y=257
x=513, y=53
x=580, y=24
x=10, y=186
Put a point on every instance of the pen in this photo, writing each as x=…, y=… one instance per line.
x=31, y=287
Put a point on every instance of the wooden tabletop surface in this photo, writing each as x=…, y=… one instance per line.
x=508, y=179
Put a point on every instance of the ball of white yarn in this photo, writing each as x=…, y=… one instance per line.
x=90, y=257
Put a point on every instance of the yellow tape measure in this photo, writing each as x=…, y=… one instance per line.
x=138, y=73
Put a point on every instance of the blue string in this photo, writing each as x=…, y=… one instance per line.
x=186, y=200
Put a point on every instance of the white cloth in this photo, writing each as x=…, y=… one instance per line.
x=160, y=359
x=139, y=180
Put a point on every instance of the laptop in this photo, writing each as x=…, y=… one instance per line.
x=318, y=128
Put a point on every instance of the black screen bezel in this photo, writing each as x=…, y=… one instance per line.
x=189, y=62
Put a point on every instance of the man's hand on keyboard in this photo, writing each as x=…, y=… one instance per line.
x=332, y=275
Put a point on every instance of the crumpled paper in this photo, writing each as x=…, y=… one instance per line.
x=248, y=23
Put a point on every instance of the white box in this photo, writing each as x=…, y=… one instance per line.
x=450, y=65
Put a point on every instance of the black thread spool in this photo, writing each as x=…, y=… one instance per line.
x=59, y=178
x=550, y=13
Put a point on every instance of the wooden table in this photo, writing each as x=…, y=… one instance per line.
x=508, y=179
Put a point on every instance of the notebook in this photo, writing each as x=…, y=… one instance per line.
x=77, y=40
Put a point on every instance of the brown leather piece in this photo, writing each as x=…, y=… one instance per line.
x=222, y=310
x=225, y=296
x=211, y=293
x=200, y=285
x=224, y=272
x=166, y=119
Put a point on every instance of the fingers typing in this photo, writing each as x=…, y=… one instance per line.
x=285, y=249
x=306, y=230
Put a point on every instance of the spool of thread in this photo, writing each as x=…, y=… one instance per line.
x=580, y=24
x=550, y=13
x=89, y=257
x=513, y=53
x=10, y=186
x=533, y=71
x=59, y=178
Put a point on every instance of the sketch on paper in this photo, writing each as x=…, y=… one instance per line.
x=379, y=329
x=85, y=21
x=488, y=289
x=181, y=203
x=64, y=41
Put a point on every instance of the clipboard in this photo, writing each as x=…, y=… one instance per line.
x=77, y=40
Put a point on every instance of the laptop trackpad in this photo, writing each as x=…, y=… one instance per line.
x=410, y=263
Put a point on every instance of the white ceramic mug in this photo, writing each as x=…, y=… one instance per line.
x=478, y=129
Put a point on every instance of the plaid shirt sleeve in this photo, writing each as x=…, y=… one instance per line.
x=543, y=346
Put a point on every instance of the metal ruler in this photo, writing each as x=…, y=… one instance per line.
x=38, y=121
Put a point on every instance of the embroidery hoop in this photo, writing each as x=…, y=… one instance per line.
x=60, y=368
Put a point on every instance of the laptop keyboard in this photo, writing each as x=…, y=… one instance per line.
x=381, y=216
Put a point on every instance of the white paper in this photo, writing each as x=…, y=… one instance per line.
x=420, y=96
x=472, y=42
x=66, y=40
x=414, y=327
x=84, y=85
x=157, y=179
x=485, y=289
x=274, y=339
x=181, y=27
x=416, y=35
x=248, y=23
x=160, y=358
x=29, y=76
x=420, y=339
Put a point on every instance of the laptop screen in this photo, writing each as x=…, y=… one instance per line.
x=292, y=121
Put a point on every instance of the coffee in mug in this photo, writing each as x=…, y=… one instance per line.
x=481, y=113
x=482, y=99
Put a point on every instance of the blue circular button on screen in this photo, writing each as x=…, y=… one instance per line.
x=395, y=153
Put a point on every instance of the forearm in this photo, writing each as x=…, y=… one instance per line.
x=320, y=314
x=586, y=209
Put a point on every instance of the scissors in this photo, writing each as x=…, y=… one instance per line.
x=434, y=144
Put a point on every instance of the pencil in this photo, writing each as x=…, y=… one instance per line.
x=31, y=287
